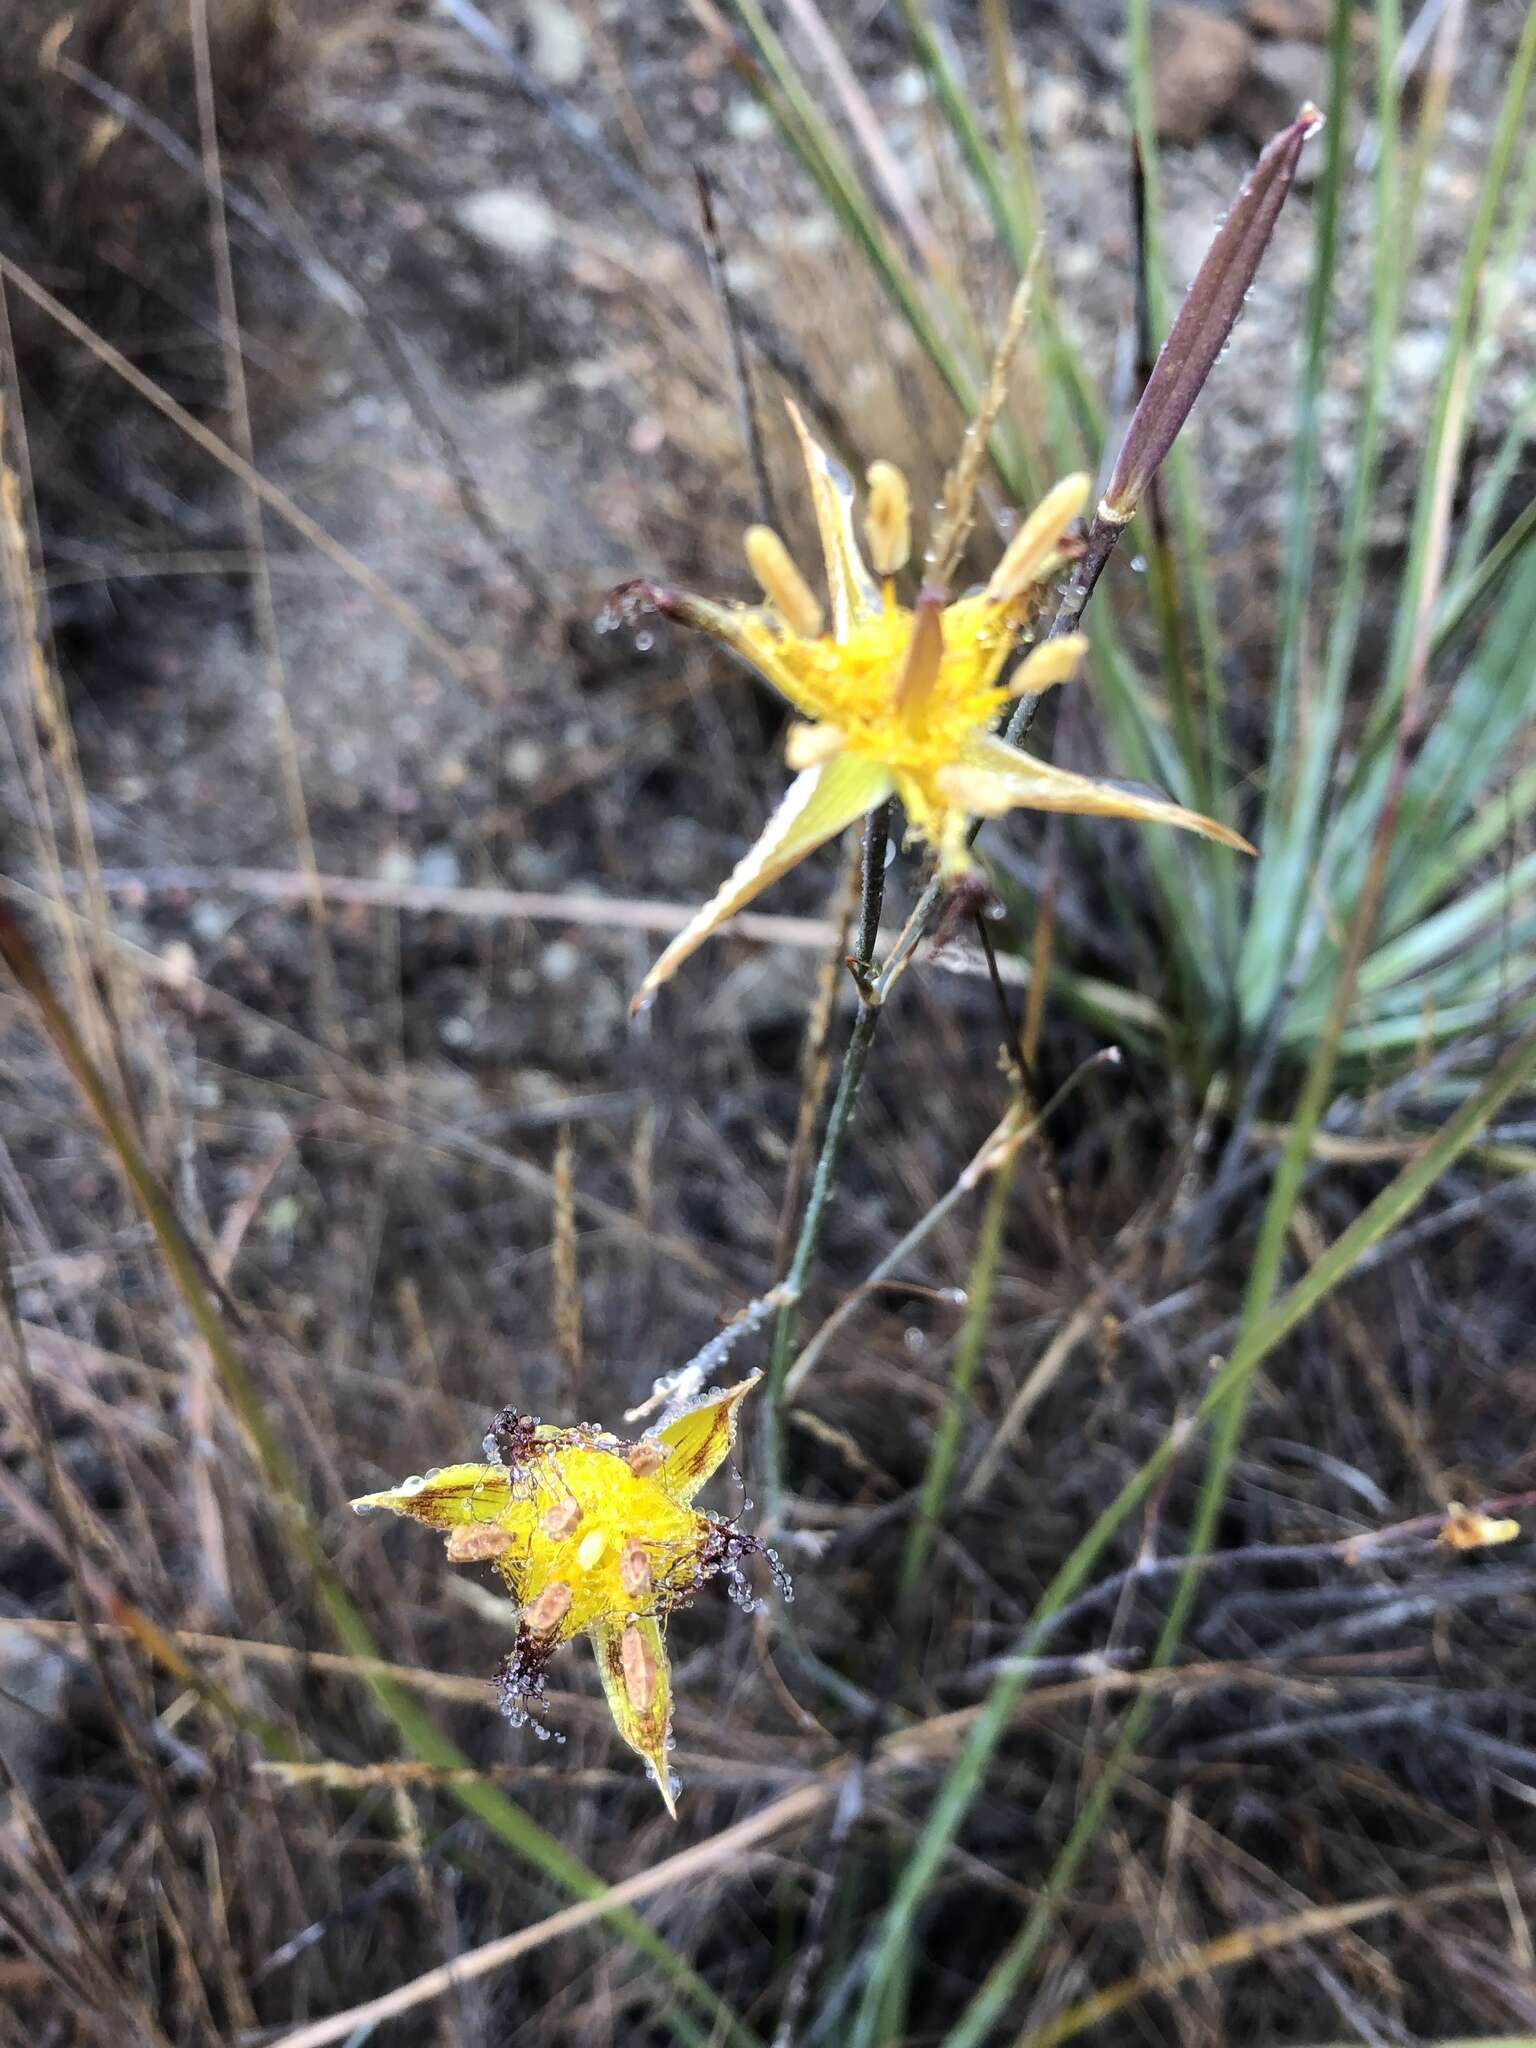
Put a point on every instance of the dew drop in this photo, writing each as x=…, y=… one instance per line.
x=644, y=641
x=1138, y=565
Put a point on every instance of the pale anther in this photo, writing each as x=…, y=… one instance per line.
x=1030, y=551
x=783, y=585
x=888, y=519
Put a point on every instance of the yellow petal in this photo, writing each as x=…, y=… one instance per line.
x=637, y=1678
x=449, y=1498
x=849, y=584
x=994, y=777
x=748, y=631
x=696, y=1443
x=816, y=807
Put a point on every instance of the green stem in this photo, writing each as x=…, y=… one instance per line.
x=877, y=833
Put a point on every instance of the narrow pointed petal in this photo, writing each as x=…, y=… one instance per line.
x=746, y=630
x=849, y=583
x=637, y=1679
x=447, y=1499
x=696, y=1442
x=816, y=807
x=995, y=777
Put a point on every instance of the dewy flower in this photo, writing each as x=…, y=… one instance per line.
x=595, y=1537
x=899, y=700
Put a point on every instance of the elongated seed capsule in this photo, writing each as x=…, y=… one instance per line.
x=637, y=1660
x=589, y=1552
x=635, y=1569
x=1032, y=547
x=474, y=1542
x=888, y=519
x=562, y=1519
x=783, y=585
x=645, y=1457
x=544, y=1614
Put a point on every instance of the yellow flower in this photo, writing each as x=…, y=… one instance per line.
x=900, y=700
x=593, y=1536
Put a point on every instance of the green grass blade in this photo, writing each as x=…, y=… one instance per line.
x=1263, y=1330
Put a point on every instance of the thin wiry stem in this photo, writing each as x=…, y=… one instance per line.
x=877, y=834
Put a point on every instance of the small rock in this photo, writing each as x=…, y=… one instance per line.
x=1304, y=21
x=1199, y=63
x=513, y=219
x=1281, y=78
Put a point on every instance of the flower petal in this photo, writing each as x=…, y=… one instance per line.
x=816, y=807
x=697, y=1441
x=637, y=1678
x=447, y=1498
x=849, y=584
x=748, y=631
x=994, y=777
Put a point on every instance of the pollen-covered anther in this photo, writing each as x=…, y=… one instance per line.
x=808, y=746
x=923, y=659
x=544, y=1614
x=635, y=1569
x=589, y=1552
x=1052, y=662
x=888, y=519
x=1029, y=554
x=476, y=1542
x=645, y=1457
x=637, y=1661
x=563, y=1519
x=783, y=585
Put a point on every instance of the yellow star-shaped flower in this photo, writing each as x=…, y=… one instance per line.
x=593, y=1536
x=900, y=700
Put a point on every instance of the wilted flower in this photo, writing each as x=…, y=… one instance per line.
x=901, y=700
x=593, y=1536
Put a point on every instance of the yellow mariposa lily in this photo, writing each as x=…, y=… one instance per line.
x=593, y=1536
x=898, y=701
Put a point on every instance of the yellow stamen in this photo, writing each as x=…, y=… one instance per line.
x=638, y=1663
x=635, y=1569
x=923, y=659
x=1052, y=662
x=783, y=585
x=1028, y=554
x=589, y=1553
x=808, y=746
x=474, y=1542
x=888, y=519
x=545, y=1614
x=562, y=1519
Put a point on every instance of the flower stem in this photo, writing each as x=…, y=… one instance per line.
x=877, y=833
